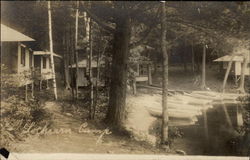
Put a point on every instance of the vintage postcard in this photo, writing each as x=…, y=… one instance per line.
x=125, y=80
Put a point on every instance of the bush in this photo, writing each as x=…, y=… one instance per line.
x=16, y=113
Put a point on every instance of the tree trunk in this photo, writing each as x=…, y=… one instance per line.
x=97, y=82
x=71, y=58
x=184, y=57
x=118, y=87
x=134, y=86
x=66, y=60
x=149, y=75
x=242, y=76
x=26, y=92
x=51, y=51
x=203, y=77
x=76, y=51
x=32, y=89
x=227, y=73
x=91, y=113
x=155, y=67
x=98, y=61
x=193, y=61
x=165, y=117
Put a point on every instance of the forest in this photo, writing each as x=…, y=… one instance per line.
x=146, y=77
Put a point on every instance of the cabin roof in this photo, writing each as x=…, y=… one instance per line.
x=227, y=58
x=45, y=53
x=10, y=35
x=83, y=64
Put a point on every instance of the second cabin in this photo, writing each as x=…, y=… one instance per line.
x=83, y=72
x=43, y=69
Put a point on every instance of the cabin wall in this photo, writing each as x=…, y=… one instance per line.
x=9, y=57
x=27, y=64
x=82, y=80
x=238, y=69
x=31, y=55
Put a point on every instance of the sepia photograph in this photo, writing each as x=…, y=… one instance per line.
x=121, y=80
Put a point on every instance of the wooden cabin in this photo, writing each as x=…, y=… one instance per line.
x=83, y=72
x=42, y=65
x=16, y=56
x=237, y=61
x=236, y=66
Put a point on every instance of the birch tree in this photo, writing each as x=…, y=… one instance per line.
x=91, y=111
x=203, y=75
x=51, y=51
x=76, y=49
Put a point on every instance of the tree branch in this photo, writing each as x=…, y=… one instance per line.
x=147, y=33
x=103, y=24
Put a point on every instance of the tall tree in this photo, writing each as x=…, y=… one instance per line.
x=76, y=48
x=193, y=57
x=118, y=88
x=165, y=117
x=203, y=76
x=66, y=45
x=92, y=113
x=116, y=18
x=51, y=51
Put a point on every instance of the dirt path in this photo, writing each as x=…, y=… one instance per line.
x=75, y=142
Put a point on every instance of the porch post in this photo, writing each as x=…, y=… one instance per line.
x=32, y=89
x=138, y=69
x=40, y=84
x=47, y=84
x=26, y=92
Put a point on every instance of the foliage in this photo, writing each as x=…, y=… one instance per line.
x=15, y=112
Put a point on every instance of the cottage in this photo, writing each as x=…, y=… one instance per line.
x=17, y=58
x=236, y=66
x=42, y=64
x=83, y=72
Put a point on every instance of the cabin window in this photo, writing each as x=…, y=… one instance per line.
x=30, y=58
x=22, y=55
x=44, y=62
